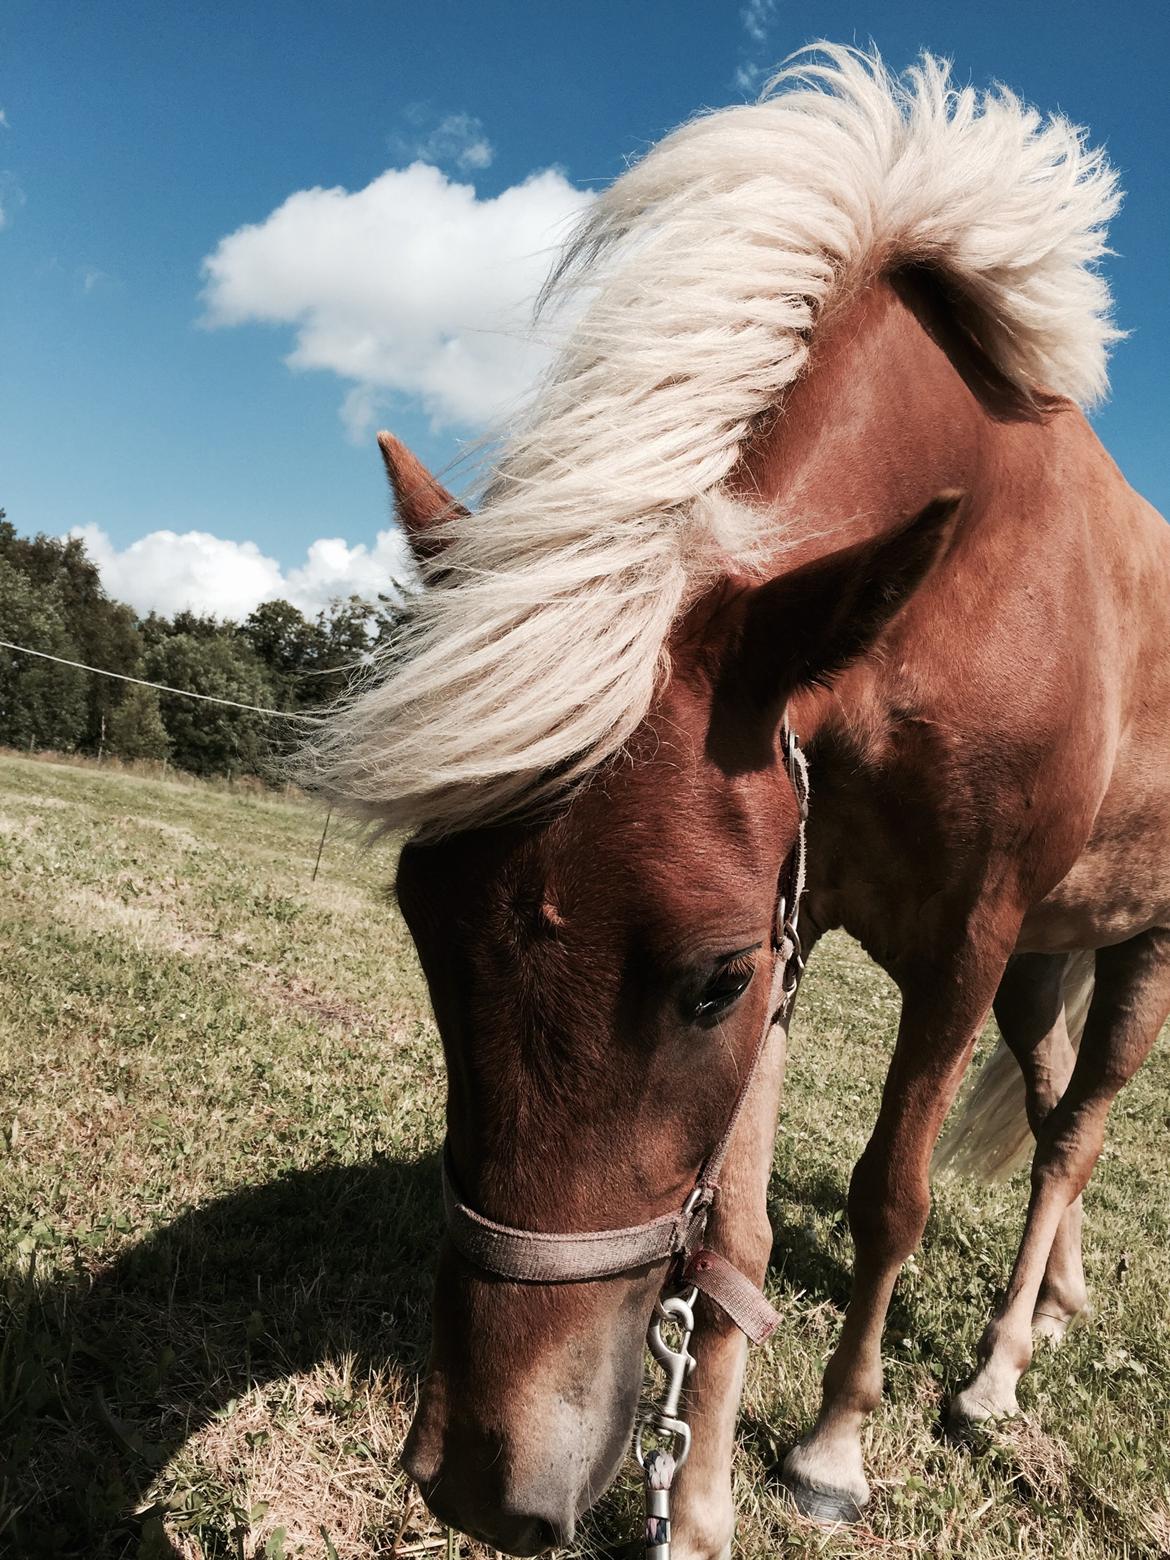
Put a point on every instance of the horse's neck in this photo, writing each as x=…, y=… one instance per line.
x=882, y=422
x=898, y=406
x=1037, y=638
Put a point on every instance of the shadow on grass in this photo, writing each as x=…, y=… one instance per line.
x=102, y=1382
x=802, y=1257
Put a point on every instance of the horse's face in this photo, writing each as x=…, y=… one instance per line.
x=600, y=982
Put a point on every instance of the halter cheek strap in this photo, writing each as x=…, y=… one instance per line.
x=536, y=1257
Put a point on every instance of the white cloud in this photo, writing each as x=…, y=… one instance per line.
x=170, y=572
x=11, y=195
x=458, y=139
x=756, y=19
x=4, y=125
x=412, y=286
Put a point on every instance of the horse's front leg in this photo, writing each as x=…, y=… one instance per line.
x=889, y=1199
x=703, y=1512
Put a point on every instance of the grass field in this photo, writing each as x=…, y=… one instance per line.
x=220, y=1102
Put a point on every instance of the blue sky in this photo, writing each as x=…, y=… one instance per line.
x=143, y=394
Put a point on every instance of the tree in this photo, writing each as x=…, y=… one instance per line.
x=135, y=728
x=52, y=598
x=200, y=625
x=291, y=648
x=102, y=631
x=349, y=629
x=209, y=738
x=154, y=628
x=40, y=702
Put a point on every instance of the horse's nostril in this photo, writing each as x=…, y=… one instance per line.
x=511, y=1534
x=517, y=1535
x=549, y=1536
x=528, y=1537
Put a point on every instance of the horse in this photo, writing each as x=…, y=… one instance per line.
x=811, y=462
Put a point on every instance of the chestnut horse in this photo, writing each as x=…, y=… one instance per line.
x=811, y=448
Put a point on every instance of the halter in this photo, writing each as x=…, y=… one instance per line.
x=537, y=1257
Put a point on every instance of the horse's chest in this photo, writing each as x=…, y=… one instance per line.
x=879, y=870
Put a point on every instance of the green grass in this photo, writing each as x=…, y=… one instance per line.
x=220, y=1102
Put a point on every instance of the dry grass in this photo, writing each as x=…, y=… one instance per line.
x=221, y=1095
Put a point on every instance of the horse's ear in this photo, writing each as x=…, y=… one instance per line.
x=807, y=625
x=420, y=500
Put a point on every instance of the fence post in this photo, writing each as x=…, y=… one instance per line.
x=321, y=846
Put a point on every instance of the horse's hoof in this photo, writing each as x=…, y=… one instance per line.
x=1050, y=1328
x=1049, y=1331
x=962, y=1430
x=970, y=1417
x=820, y=1504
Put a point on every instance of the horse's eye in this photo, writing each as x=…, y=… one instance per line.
x=722, y=990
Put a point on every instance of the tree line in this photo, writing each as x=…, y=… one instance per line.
x=52, y=599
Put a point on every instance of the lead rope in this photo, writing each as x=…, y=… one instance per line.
x=660, y=1464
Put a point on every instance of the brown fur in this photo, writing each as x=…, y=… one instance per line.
x=982, y=693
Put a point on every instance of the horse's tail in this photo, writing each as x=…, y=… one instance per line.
x=988, y=1137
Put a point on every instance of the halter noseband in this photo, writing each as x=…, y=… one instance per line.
x=535, y=1257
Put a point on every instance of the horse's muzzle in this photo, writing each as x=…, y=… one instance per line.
x=457, y=1501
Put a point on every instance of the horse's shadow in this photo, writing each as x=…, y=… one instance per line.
x=802, y=1258
x=102, y=1382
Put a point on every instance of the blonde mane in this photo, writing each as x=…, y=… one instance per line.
x=700, y=276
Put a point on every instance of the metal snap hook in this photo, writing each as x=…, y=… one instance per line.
x=659, y=1464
